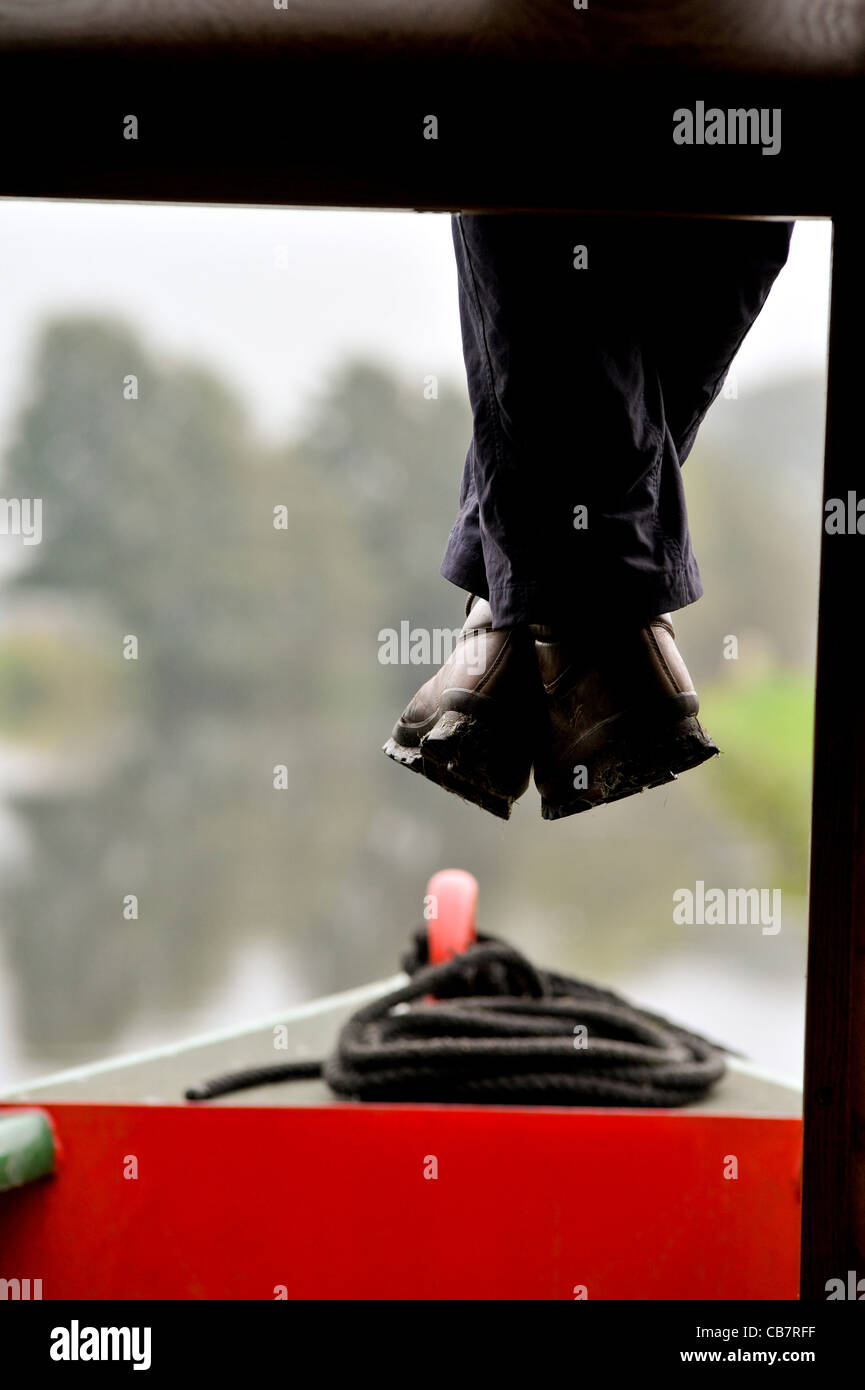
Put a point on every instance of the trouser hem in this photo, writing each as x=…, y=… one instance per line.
x=515, y=604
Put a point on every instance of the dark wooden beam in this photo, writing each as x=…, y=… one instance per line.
x=538, y=104
x=761, y=37
x=833, y=1230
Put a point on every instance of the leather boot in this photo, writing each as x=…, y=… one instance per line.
x=620, y=716
x=473, y=726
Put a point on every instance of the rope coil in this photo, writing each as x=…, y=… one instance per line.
x=499, y=1030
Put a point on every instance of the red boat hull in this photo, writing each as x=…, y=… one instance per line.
x=345, y=1202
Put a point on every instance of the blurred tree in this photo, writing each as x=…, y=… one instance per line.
x=754, y=499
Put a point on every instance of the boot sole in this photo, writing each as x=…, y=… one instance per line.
x=468, y=752
x=635, y=758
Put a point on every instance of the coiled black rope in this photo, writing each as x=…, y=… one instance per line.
x=501, y=1031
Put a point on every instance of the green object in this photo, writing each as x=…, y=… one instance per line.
x=27, y=1148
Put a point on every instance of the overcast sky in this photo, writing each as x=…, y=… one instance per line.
x=274, y=298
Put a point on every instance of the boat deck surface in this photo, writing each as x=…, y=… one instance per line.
x=160, y=1076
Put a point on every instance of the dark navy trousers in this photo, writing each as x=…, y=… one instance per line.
x=593, y=348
